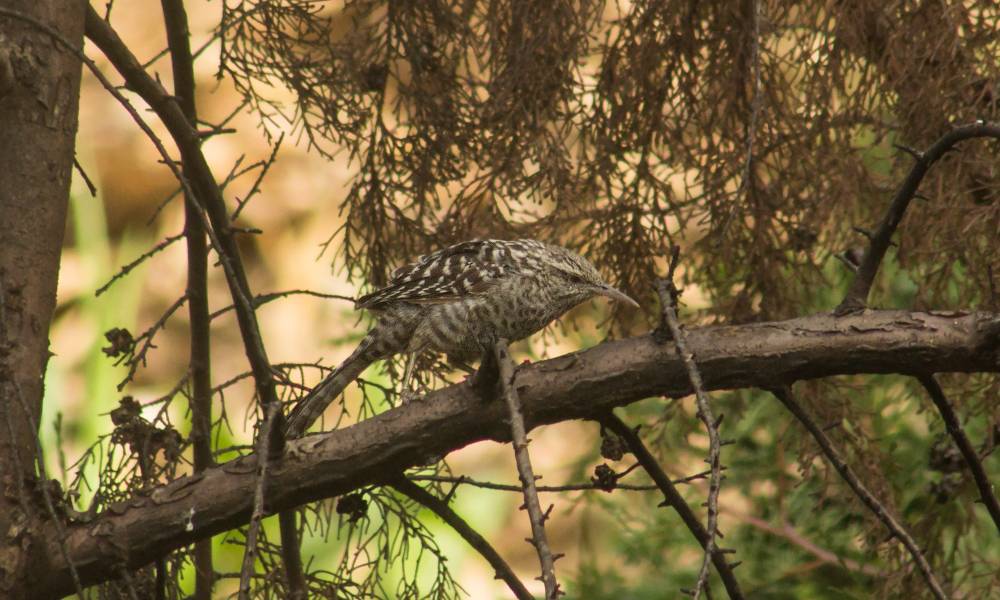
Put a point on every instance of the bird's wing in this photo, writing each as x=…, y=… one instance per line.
x=461, y=270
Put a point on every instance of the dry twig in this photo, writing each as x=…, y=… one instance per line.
x=519, y=440
x=668, y=294
x=674, y=499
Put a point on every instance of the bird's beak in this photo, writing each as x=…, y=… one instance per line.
x=616, y=295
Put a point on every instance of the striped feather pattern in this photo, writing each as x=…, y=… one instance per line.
x=465, y=269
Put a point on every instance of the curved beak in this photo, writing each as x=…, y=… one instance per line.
x=616, y=295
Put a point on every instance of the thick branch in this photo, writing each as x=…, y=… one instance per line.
x=574, y=386
x=857, y=296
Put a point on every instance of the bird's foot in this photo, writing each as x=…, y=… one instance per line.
x=407, y=396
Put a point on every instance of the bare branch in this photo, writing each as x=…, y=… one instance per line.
x=572, y=487
x=479, y=543
x=203, y=186
x=199, y=367
x=674, y=499
x=857, y=295
x=519, y=440
x=788, y=532
x=241, y=204
x=957, y=434
x=897, y=530
x=668, y=294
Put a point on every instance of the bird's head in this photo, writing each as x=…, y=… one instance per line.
x=583, y=279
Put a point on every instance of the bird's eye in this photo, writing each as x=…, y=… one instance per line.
x=576, y=279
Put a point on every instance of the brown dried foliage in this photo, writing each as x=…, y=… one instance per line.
x=637, y=124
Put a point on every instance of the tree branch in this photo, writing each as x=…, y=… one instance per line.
x=857, y=296
x=957, y=434
x=519, y=440
x=470, y=535
x=575, y=386
x=669, y=294
x=182, y=65
x=895, y=528
x=204, y=187
x=674, y=499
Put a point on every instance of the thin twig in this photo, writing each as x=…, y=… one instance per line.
x=674, y=499
x=86, y=178
x=263, y=452
x=125, y=270
x=262, y=299
x=756, y=101
x=146, y=337
x=241, y=204
x=897, y=530
x=572, y=487
x=212, y=211
x=211, y=205
x=439, y=507
x=957, y=434
x=519, y=440
x=857, y=296
x=668, y=294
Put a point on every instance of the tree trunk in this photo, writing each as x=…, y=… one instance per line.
x=39, y=97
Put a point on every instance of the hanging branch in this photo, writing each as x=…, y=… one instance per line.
x=673, y=498
x=182, y=65
x=897, y=530
x=956, y=432
x=440, y=507
x=519, y=440
x=857, y=296
x=669, y=294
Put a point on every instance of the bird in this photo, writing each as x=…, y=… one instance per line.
x=460, y=301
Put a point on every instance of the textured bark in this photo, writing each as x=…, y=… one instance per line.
x=574, y=386
x=39, y=96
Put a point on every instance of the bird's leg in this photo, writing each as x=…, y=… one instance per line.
x=485, y=379
x=406, y=394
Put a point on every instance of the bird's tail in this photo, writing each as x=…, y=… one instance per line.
x=309, y=408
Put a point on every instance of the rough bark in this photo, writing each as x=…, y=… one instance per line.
x=39, y=96
x=578, y=385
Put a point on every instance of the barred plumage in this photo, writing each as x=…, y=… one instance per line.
x=459, y=301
